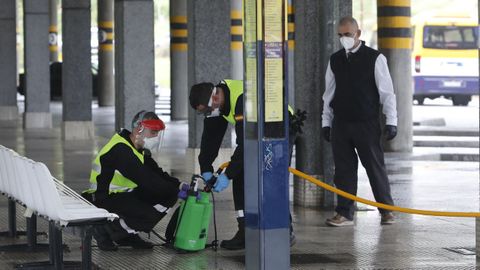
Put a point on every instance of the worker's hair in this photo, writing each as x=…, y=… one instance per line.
x=200, y=94
x=348, y=20
x=143, y=115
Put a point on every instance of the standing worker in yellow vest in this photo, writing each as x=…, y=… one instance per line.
x=223, y=104
x=127, y=181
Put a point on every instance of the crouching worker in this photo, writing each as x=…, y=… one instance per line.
x=125, y=180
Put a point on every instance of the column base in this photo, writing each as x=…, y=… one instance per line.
x=37, y=120
x=8, y=112
x=477, y=237
x=307, y=194
x=78, y=130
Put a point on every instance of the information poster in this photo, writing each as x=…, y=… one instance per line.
x=273, y=16
x=251, y=60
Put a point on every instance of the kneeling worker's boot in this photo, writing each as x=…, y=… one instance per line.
x=238, y=241
x=134, y=241
x=104, y=242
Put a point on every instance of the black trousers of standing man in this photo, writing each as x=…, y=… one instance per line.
x=365, y=138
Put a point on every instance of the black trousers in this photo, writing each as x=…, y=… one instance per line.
x=238, y=192
x=136, y=207
x=365, y=138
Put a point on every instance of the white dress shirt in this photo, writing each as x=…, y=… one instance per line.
x=384, y=85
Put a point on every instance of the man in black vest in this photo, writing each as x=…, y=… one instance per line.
x=357, y=81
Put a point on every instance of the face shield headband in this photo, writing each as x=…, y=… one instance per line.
x=149, y=126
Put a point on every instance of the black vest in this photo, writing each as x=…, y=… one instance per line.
x=356, y=93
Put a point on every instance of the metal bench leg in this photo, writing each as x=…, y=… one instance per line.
x=12, y=218
x=87, y=248
x=31, y=244
x=57, y=247
x=12, y=222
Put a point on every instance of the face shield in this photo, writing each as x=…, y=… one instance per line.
x=151, y=133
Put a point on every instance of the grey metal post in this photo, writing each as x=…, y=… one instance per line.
x=394, y=41
x=178, y=59
x=37, y=76
x=76, y=71
x=291, y=52
x=105, y=81
x=236, y=45
x=53, y=31
x=267, y=241
x=8, y=65
x=477, y=220
x=134, y=60
x=315, y=34
x=208, y=60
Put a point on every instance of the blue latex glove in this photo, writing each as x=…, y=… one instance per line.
x=222, y=183
x=183, y=193
x=207, y=176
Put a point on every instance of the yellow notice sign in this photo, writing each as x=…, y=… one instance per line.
x=250, y=47
x=274, y=15
x=251, y=89
x=273, y=20
x=273, y=89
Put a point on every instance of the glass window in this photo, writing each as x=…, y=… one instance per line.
x=450, y=37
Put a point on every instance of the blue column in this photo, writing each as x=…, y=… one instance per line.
x=266, y=137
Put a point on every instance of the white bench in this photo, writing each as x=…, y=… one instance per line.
x=30, y=183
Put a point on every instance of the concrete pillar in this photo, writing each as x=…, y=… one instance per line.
x=36, y=55
x=291, y=52
x=53, y=31
x=134, y=60
x=8, y=65
x=395, y=41
x=76, y=71
x=236, y=42
x=178, y=59
x=315, y=40
x=209, y=60
x=105, y=80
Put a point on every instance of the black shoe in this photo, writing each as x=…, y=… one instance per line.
x=115, y=231
x=104, y=242
x=107, y=245
x=134, y=241
x=236, y=243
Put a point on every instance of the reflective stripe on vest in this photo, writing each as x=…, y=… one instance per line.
x=236, y=89
x=119, y=182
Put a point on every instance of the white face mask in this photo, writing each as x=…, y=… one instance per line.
x=215, y=112
x=151, y=144
x=347, y=42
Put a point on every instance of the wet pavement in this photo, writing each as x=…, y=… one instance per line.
x=421, y=179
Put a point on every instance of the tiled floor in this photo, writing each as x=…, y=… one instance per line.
x=414, y=242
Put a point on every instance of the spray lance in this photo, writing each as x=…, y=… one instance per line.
x=211, y=183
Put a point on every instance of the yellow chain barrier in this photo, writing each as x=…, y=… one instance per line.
x=381, y=205
x=376, y=204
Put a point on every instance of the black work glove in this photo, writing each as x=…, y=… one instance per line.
x=296, y=122
x=390, y=132
x=326, y=133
